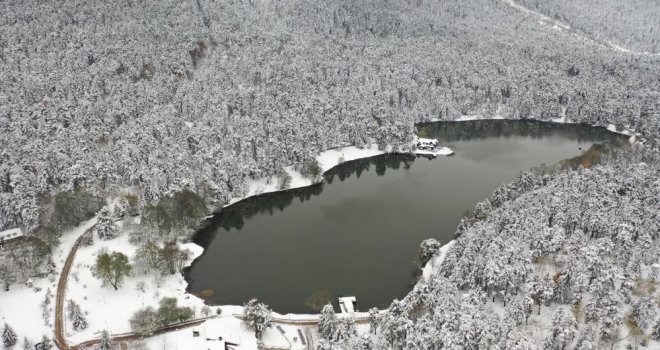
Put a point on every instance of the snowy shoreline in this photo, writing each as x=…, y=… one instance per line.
x=330, y=159
x=110, y=310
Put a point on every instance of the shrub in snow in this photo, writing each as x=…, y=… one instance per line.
x=44, y=344
x=144, y=322
x=169, y=312
x=147, y=320
x=148, y=258
x=27, y=345
x=257, y=316
x=311, y=169
x=206, y=310
x=283, y=180
x=173, y=258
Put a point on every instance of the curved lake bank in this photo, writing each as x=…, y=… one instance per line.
x=357, y=233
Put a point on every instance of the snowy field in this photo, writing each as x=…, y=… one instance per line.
x=109, y=309
x=21, y=306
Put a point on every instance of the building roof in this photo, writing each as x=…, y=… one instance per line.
x=346, y=304
x=212, y=335
x=11, y=234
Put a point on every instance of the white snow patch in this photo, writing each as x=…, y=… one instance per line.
x=436, y=261
x=333, y=157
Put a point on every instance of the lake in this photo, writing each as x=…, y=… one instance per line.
x=357, y=233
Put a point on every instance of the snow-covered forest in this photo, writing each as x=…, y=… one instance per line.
x=566, y=261
x=160, y=96
x=166, y=109
x=631, y=24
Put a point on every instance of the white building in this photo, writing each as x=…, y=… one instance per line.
x=11, y=234
x=347, y=304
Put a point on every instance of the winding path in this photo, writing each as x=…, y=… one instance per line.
x=132, y=336
x=60, y=339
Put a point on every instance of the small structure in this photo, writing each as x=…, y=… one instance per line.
x=210, y=336
x=10, y=234
x=430, y=147
x=347, y=304
x=427, y=144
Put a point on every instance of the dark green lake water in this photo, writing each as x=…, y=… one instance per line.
x=358, y=232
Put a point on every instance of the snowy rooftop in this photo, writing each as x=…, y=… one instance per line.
x=423, y=140
x=212, y=334
x=347, y=304
x=11, y=234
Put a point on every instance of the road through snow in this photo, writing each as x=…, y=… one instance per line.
x=566, y=28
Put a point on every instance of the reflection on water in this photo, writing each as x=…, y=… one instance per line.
x=357, y=233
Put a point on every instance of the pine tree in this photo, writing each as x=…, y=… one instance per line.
x=345, y=329
x=258, y=316
x=106, y=342
x=564, y=327
x=655, y=333
x=45, y=307
x=27, y=345
x=644, y=312
x=76, y=316
x=373, y=320
x=105, y=226
x=8, y=336
x=327, y=322
x=79, y=320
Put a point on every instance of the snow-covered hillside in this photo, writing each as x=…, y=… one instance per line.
x=569, y=261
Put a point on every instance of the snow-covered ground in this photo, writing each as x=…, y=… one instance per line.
x=109, y=309
x=20, y=307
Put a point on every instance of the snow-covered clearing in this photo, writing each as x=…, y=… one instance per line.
x=21, y=306
x=109, y=309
